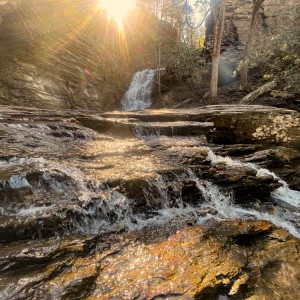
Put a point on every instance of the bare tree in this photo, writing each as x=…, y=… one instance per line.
x=248, y=47
x=218, y=18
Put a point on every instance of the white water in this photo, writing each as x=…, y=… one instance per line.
x=138, y=96
x=227, y=210
x=284, y=193
x=112, y=210
x=281, y=216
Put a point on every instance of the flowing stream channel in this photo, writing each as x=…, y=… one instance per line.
x=42, y=195
x=286, y=213
x=114, y=210
x=82, y=194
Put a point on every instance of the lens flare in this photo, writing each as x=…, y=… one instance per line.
x=116, y=9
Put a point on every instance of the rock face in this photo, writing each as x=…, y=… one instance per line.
x=192, y=264
x=274, y=18
x=149, y=205
x=44, y=63
x=233, y=123
x=244, y=260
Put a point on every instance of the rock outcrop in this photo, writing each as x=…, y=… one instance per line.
x=48, y=58
x=149, y=205
x=243, y=260
x=275, y=18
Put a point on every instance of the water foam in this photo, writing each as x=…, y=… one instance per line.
x=284, y=193
x=111, y=209
x=116, y=209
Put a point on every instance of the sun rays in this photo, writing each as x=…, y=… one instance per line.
x=117, y=10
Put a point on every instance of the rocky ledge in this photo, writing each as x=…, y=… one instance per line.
x=229, y=260
x=150, y=205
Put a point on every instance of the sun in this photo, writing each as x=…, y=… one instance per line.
x=117, y=9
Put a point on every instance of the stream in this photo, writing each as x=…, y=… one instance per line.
x=82, y=193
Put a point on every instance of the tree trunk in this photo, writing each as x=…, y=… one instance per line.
x=218, y=19
x=248, y=47
x=261, y=90
x=160, y=6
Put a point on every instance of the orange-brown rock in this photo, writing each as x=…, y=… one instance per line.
x=242, y=260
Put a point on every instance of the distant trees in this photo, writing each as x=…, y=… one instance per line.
x=189, y=25
x=185, y=61
x=217, y=11
x=167, y=12
x=171, y=11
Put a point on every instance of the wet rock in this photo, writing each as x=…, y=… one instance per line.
x=239, y=259
x=281, y=160
x=242, y=181
x=276, y=129
x=122, y=128
x=190, y=192
x=237, y=150
x=82, y=166
x=180, y=128
x=234, y=124
x=73, y=284
x=19, y=255
x=89, y=175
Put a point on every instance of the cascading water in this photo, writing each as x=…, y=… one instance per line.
x=111, y=209
x=49, y=188
x=219, y=206
x=88, y=203
x=138, y=96
x=283, y=193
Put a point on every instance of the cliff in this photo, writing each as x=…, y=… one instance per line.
x=275, y=18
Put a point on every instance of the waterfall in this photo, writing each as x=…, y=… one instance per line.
x=138, y=95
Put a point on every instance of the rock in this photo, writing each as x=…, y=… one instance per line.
x=275, y=129
x=243, y=182
x=89, y=172
x=99, y=210
x=238, y=18
x=234, y=124
x=180, y=128
x=289, y=103
x=75, y=283
x=239, y=259
x=281, y=160
x=33, y=253
x=43, y=263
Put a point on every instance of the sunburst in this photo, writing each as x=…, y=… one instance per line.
x=117, y=9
